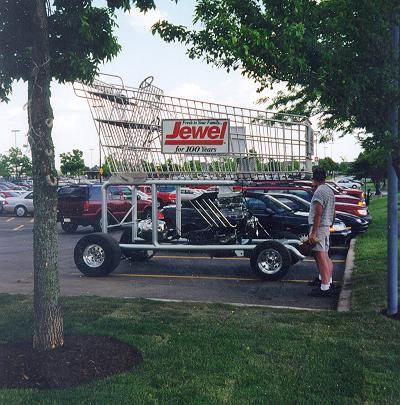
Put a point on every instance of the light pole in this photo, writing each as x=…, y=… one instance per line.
x=393, y=181
x=91, y=158
x=15, y=131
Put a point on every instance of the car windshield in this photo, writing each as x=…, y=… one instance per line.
x=72, y=192
x=277, y=206
x=294, y=205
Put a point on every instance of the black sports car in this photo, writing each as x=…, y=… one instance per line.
x=358, y=225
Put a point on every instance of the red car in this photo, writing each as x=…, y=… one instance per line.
x=165, y=194
x=350, y=191
x=81, y=205
x=347, y=199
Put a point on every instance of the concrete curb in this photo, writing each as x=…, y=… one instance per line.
x=345, y=294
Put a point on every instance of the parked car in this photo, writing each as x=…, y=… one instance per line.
x=277, y=217
x=20, y=205
x=187, y=193
x=2, y=199
x=12, y=193
x=81, y=205
x=345, y=203
x=165, y=194
x=307, y=184
x=349, y=183
x=350, y=191
x=357, y=225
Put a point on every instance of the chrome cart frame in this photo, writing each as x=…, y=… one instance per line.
x=130, y=122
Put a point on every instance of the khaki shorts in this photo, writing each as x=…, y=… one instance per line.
x=323, y=238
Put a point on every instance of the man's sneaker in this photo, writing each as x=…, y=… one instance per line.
x=315, y=283
x=317, y=292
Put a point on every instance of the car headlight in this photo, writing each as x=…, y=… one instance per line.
x=360, y=221
x=338, y=227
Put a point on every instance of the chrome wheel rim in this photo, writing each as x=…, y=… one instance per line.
x=20, y=212
x=93, y=256
x=270, y=261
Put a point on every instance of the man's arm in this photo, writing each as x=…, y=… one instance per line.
x=316, y=222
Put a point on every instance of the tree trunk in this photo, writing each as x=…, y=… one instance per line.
x=48, y=328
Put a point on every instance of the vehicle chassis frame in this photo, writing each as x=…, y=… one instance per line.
x=238, y=248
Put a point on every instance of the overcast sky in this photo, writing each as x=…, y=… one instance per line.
x=142, y=55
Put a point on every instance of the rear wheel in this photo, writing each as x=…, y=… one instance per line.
x=147, y=213
x=270, y=260
x=20, y=211
x=97, y=255
x=98, y=224
x=135, y=255
x=69, y=227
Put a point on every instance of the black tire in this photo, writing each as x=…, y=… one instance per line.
x=69, y=227
x=280, y=254
x=288, y=235
x=20, y=211
x=97, y=224
x=97, y=243
x=147, y=213
x=134, y=255
x=160, y=203
x=354, y=186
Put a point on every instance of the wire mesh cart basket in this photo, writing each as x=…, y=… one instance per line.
x=152, y=139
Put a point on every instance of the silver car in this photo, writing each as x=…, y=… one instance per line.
x=20, y=206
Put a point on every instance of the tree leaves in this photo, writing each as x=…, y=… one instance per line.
x=334, y=55
x=80, y=37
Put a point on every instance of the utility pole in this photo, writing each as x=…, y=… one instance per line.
x=91, y=158
x=15, y=131
x=392, y=216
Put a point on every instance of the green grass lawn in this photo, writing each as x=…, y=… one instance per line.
x=222, y=354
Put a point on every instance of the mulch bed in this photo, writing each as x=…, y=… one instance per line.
x=82, y=359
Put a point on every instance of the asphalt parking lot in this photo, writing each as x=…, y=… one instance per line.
x=168, y=276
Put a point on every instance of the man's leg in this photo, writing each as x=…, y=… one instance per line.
x=330, y=264
x=323, y=266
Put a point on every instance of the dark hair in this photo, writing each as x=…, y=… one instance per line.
x=319, y=174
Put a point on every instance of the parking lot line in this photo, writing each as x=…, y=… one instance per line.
x=224, y=258
x=32, y=220
x=203, y=277
x=18, y=227
x=10, y=219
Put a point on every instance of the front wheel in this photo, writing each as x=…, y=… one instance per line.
x=97, y=255
x=270, y=260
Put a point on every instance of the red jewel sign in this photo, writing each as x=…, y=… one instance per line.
x=205, y=136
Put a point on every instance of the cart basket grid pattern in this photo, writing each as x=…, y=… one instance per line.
x=128, y=121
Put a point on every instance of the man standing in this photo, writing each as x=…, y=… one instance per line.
x=321, y=217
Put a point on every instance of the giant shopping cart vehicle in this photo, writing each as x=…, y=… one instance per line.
x=152, y=139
